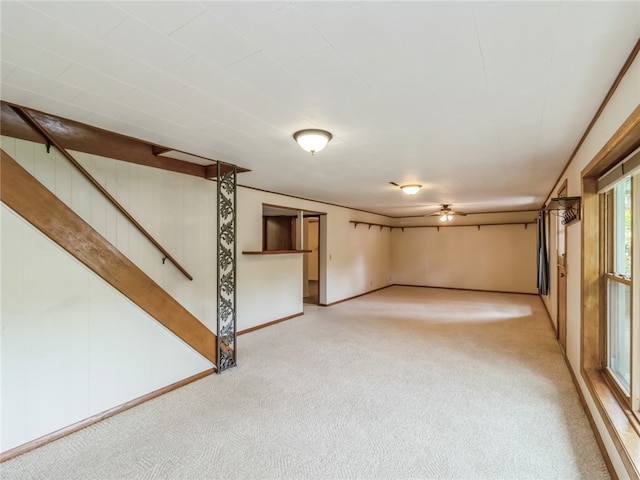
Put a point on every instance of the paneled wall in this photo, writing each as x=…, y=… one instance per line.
x=177, y=210
x=494, y=257
x=71, y=345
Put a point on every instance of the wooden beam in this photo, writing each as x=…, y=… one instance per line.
x=35, y=203
x=156, y=150
x=85, y=138
x=211, y=171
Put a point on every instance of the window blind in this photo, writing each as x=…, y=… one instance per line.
x=622, y=170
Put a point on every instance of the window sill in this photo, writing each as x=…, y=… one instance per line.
x=620, y=422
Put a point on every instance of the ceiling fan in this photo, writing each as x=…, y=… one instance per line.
x=446, y=214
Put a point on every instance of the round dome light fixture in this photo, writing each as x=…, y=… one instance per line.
x=411, y=189
x=312, y=140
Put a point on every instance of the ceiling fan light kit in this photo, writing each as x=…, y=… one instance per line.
x=312, y=140
x=446, y=214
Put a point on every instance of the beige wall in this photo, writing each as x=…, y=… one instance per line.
x=493, y=257
x=353, y=261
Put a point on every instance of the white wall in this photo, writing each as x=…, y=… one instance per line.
x=71, y=345
x=495, y=257
x=625, y=99
x=177, y=210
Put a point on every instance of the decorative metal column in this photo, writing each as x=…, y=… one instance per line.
x=226, y=234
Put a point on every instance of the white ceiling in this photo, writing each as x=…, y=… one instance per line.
x=481, y=103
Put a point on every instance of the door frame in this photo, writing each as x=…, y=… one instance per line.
x=561, y=275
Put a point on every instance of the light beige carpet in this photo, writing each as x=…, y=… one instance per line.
x=404, y=383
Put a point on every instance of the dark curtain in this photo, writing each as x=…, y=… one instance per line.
x=543, y=260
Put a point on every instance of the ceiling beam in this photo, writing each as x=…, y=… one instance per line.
x=79, y=137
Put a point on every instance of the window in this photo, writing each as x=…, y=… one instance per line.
x=618, y=278
x=610, y=347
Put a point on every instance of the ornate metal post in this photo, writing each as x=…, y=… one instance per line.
x=226, y=236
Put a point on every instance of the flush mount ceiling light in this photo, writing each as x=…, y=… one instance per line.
x=312, y=140
x=411, y=189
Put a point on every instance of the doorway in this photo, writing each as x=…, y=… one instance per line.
x=290, y=230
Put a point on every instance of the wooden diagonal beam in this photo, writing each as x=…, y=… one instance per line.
x=35, y=203
x=52, y=141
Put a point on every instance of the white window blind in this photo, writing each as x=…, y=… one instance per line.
x=622, y=170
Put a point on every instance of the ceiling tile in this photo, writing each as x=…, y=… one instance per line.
x=15, y=94
x=37, y=83
x=363, y=48
x=148, y=103
x=511, y=32
x=330, y=76
x=132, y=116
x=213, y=39
x=279, y=84
x=6, y=68
x=91, y=53
x=165, y=16
x=319, y=11
x=267, y=32
x=118, y=125
x=200, y=103
x=137, y=74
x=88, y=79
x=240, y=14
x=62, y=109
x=33, y=57
x=24, y=22
x=95, y=19
x=589, y=23
x=146, y=44
x=222, y=86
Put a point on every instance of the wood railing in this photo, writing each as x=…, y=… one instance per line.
x=33, y=123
